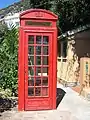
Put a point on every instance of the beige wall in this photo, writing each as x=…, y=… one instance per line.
x=68, y=70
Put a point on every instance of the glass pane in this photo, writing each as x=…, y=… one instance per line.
x=44, y=91
x=38, y=40
x=30, y=91
x=30, y=60
x=45, y=39
x=37, y=91
x=30, y=39
x=35, y=23
x=38, y=71
x=45, y=71
x=45, y=50
x=38, y=60
x=45, y=81
x=31, y=50
x=30, y=71
x=38, y=50
x=45, y=60
x=38, y=82
x=30, y=81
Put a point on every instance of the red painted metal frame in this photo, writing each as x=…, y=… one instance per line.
x=22, y=70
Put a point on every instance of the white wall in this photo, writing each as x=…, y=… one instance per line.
x=12, y=19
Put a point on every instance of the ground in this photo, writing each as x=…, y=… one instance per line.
x=71, y=107
x=77, y=89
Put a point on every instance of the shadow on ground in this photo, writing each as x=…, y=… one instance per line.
x=7, y=104
x=60, y=94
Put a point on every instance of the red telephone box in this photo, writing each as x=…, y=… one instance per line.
x=37, y=73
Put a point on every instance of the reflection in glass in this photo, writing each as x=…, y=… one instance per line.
x=45, y=60
x=31, y=50
x=38, y=71
x=45, y=71
x=30, y=71
x=45, y=39
x=38, y=82
x=38, y=40
x=38, y=50
x=30, y=81
x=45, y=50
x=30, y=39
x=38, y=60
x=44, y=91
x=30, y=60
x=30, y=91
x=45, y=81
x=37, y=91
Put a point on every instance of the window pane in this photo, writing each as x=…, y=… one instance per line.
x=37, y=91
x=31, y=50
x=38, y=50
x=30, y=60
x=45, y=71
x=45, y=39
x=38, y=71
x=38, y=60
x=45, y=81
x=38, y=82
x=38, y=40
x=45, y=50
x=30, y=91
x=30, y=71
x=30, y=39
x=44, y=91
x=30, y=81
x=45, y=60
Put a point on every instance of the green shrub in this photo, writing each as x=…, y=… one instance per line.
x=8, y=60
x=5, y=93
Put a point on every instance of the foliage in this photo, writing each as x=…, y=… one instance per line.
x=42, y=4
x=5, y=93
x=8, y=60
x=2, y=31
x=71, y=13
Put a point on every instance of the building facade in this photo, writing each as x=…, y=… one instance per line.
x=72, y=46
x=12, y=19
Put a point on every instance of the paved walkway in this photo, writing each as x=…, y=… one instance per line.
x=77, y=105
x=72, y=107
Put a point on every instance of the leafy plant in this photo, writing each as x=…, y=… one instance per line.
x=8, y=60
x=5, y=93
